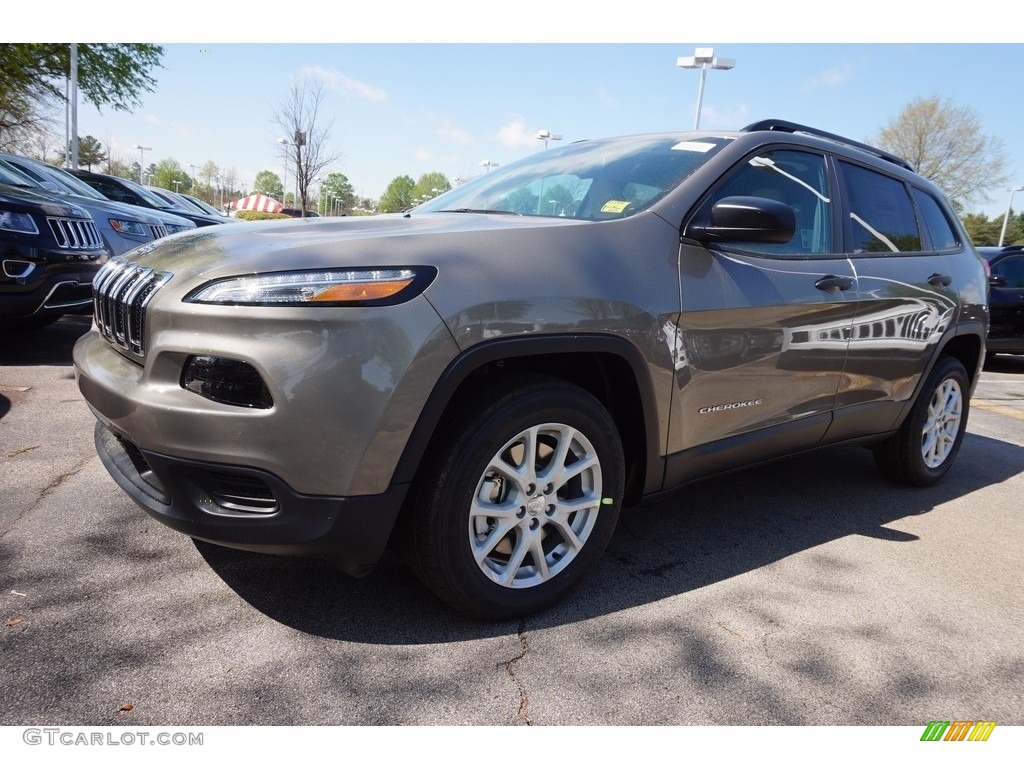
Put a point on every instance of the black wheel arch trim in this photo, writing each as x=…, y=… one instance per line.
x=488, y=352
x=962, y=329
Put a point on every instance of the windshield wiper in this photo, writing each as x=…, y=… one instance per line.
x=479, y=210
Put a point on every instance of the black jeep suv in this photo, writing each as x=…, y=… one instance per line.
x=50, y=252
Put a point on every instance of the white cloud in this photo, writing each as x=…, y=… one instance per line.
x=151, y=119
x=514, y=135
x=606, y=98
x=345, y=85
x=423, y=154
x=729, y=118
x=830, y=78
x=447, y=129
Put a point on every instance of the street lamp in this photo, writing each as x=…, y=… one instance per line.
x=488, y=165
x=142, y=160
x=703, y=59
x=547, y=136
x=177, y=185
x=1006, y=218
x=284, y=185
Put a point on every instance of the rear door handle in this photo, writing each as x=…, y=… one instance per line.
x=834, y=283
x=940, y=281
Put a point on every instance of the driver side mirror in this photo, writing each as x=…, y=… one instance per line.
x=743, y=219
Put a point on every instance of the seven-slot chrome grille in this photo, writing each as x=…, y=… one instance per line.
x=74, y=233
x=121, y=291
x=159, y=230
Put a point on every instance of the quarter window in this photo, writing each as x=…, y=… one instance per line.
x=943, y=238
x=882, y=217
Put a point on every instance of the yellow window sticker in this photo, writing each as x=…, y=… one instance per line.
x=615, y=206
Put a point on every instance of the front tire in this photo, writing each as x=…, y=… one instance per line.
x=924, y=448
x=519, y=499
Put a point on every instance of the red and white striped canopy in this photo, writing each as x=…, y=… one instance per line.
x=257, y=203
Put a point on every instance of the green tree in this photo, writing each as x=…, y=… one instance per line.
x=398, y=196
x=208, y=173
x=114, y=75
x=90, y=152
x=268, y=183
x=431, y=185
x=338, y=186
x=945, y=144
x=169, y=171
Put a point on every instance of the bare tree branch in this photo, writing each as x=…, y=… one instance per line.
x=308, y=134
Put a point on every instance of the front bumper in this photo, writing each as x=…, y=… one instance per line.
x=246, y=508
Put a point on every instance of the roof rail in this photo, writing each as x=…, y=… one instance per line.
x=785, y=125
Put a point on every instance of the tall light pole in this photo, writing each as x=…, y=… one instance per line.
x=1006, y=218
x=192, y=179
x=142, y=160
x=703, y=59
x=284, y=185
x=177, y=185
x=487, y=164
x=547, y=136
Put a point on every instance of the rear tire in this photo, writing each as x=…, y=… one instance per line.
x=928, y=441
x=518, y=500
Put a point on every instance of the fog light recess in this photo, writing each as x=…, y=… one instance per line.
x=224, y=380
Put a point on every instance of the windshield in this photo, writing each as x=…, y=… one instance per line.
x=589, y=180
x=155, y=200
x=13, y=177
x=75, y=184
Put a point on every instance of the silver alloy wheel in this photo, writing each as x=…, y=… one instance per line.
x=942, y=424
x=536, y=504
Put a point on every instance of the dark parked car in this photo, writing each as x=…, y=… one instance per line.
x=498, y=373
x=128, y=191
x=50, y=252
x=189, y=209
x=121, y=227
x=296, y=213
x=204, y=206
x=1006, y=299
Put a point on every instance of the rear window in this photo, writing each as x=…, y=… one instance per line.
x=881, y=218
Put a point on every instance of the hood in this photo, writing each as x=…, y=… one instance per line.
x=24, y=200
x=323, y=243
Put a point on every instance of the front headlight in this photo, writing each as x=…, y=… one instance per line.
x=128, y=227
x=350, y=287
x=18, y=222
x=173, y=229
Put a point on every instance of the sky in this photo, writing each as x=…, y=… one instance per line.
x=422, y=93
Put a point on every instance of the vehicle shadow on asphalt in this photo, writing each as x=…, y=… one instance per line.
x=51, y=345
x=696, y=537
x=1006, y=364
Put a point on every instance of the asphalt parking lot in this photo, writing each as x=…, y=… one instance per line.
x=809, y=592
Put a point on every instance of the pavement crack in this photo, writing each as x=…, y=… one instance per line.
x=510, y=669
x=47, y=491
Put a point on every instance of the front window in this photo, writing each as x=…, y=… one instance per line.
x=592, y=180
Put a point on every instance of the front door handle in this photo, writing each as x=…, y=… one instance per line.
x=940, y=281
x=834, y=283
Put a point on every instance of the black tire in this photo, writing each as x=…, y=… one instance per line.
x=546, y=529
x=928, y=441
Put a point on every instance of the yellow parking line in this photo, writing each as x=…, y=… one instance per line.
x=1002, y=410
